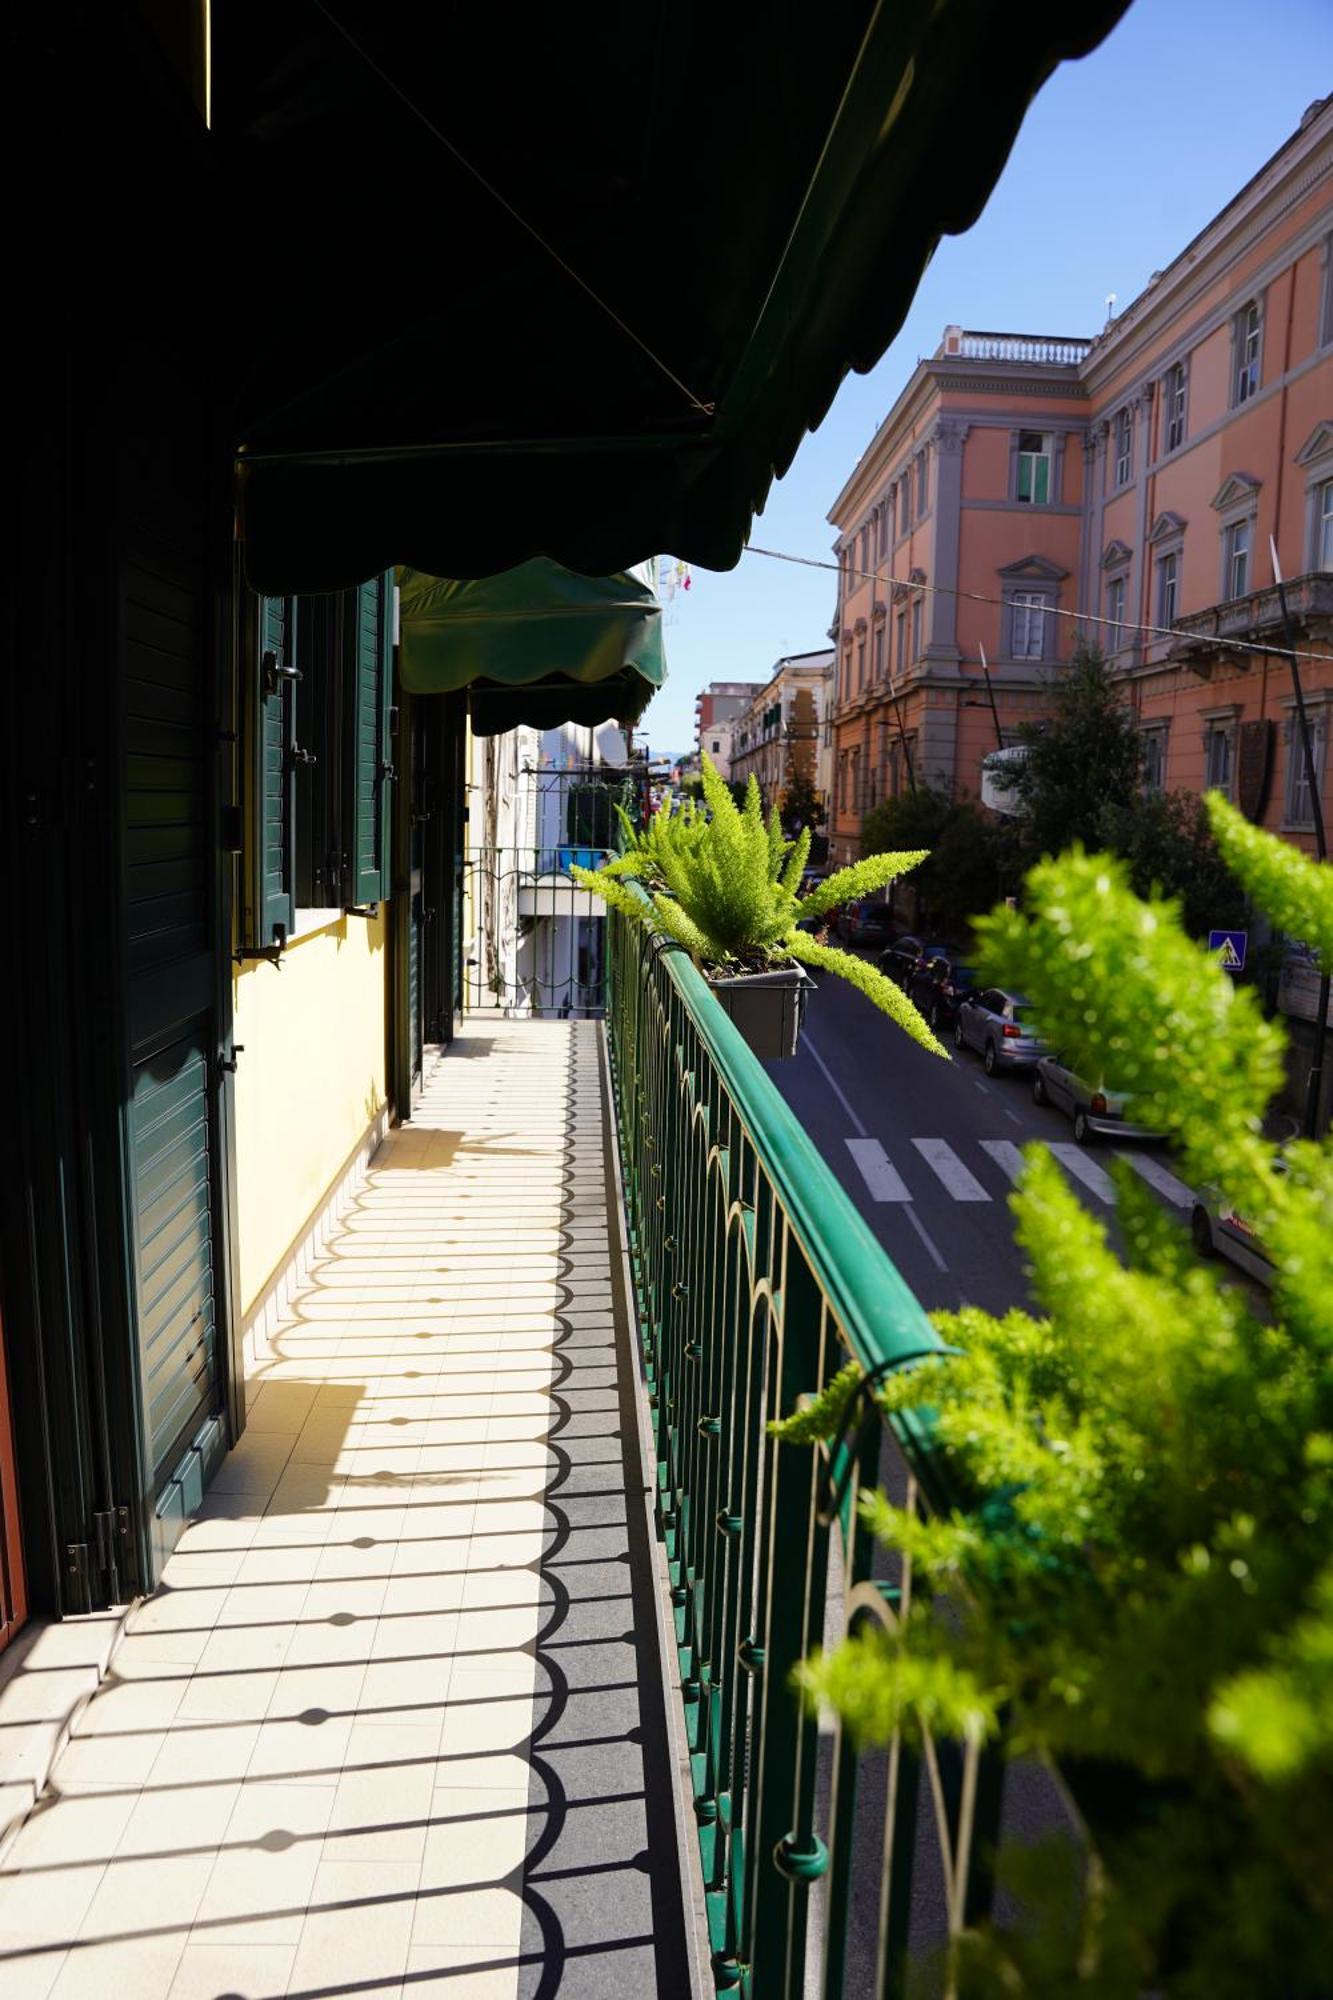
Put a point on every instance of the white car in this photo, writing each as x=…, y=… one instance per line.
x=1220, y=1231
x=1098, y=1113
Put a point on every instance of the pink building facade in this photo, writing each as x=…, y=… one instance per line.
x=1027, y=491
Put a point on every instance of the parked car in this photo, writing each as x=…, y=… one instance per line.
x=999, y=1026
x=1098, y=1113
x=1220, y=1231
x=938, y=986
x=863, y=924
x=907, y=955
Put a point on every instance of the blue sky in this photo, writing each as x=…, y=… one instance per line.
x=1121, y=160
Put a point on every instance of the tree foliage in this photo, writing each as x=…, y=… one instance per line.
x=1086, y=753
x=969, y=852
x=1139, y=1575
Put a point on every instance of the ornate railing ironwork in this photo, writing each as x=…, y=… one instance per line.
x=755, y=1281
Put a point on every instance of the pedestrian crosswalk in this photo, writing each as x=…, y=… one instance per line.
x=938, y=1163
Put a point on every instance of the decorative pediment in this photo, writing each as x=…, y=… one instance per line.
x=916, y=576
x=1116, y=555
x=1033, y=569
x=1167, y=527
x=1319, y=444
x=1235, y=491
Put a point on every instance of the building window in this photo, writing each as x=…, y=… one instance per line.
x=1173, y=408
x=319, y=765
x=905, y=502
x=917, y=603
x=922, y=478
x=1027, y=614
x=860, y=663
x=1124, y=448
x=865, y=546
x=1154, y=760
x=881, y=527
x=879, y=651
x=1218, y=758
x=1248, y=330
x=1034, y=468
x=1168, y=587
x=716, y=746
x=1236, y=558
x=1115, y=613
x=858, y=804
x=1324, y=527
x=1300, y=797
x=902, y=641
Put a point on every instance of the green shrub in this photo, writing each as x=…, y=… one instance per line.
x=1142, y=1576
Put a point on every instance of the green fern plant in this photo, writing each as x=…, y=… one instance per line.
x=725, y=883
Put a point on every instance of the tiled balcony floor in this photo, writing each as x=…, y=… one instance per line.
x=394, y=1723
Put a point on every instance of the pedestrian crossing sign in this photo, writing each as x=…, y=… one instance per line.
x=1230, y=946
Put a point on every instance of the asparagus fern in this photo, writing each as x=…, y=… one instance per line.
x=725, y=883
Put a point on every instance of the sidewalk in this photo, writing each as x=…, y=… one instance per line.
x=393, y=1725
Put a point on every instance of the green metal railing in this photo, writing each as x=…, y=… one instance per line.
x=756, y=1279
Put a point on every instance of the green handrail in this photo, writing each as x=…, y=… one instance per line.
x=755, y=1279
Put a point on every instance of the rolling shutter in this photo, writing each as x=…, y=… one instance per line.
x=372, y=772
x=172, y=1200
x=275, y=770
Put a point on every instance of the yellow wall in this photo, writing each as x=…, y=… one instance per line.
x=309, y=1082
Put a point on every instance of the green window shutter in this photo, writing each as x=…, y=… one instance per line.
x=275, y=786
x=371, y=769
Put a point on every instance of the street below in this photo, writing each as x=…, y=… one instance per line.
x=929, y=1150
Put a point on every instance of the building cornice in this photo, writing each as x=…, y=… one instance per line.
x=1280, y=186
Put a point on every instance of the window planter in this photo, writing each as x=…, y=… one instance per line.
x=767, y=1008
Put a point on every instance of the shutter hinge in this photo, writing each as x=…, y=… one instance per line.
x=111, y=1530
x=362, y=910
x=77, y=1592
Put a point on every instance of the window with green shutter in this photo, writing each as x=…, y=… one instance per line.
x=320, y=823
x=273, y=884
x=371, y=766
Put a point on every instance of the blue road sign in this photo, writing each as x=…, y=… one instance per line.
x=1231, y=945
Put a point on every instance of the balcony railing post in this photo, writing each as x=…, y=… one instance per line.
x=788, y=1852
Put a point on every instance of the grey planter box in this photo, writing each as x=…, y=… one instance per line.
x=768, y=1008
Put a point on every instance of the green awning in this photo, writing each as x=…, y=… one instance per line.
x=577, y=288
x=538, y=644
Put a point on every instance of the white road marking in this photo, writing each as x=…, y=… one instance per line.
x=1007, y=1156
x=878, y=1171
x=926, y=1238
x=1076, y=1162
x=1156, y=1175
x=1013, y=1115
x=960, y=1181
x=835, y=1086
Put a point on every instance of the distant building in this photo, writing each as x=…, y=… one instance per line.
x=715, y=742
x=780, y=736
x=719, y=702
x=1133, y=480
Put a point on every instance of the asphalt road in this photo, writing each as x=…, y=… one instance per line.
x=927, y=1150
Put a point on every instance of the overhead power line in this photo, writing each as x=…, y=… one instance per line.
x=1122, y=625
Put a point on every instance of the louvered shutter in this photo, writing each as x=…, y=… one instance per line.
x=275, y=774
x=372, y=771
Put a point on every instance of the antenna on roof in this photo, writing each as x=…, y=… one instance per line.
x=1110, y=307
